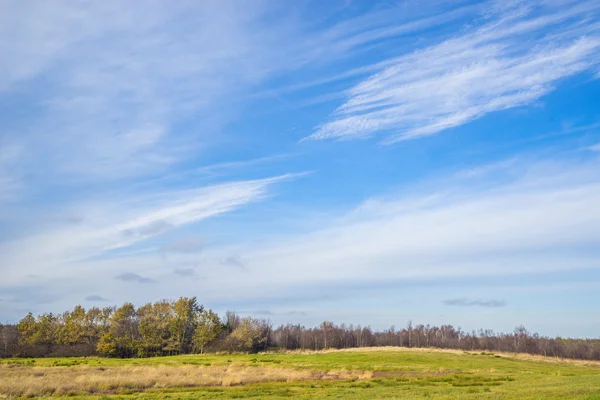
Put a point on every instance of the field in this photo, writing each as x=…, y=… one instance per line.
x=384, y=373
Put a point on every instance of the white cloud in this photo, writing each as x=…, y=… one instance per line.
x=539, y=223
x=595, y=147
x=121, y=224
x=109, y=88
x=463, y=78
x=545, y=220
x=484, y=170
x=108, y=82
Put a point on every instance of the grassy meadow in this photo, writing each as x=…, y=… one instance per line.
x=377, y=373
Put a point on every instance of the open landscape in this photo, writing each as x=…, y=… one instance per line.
x=368, y=373
x=308, y=199
x=180, y=349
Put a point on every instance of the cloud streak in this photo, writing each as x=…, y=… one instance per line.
x=133, y=277
x=464, y=302
x=543, y=220
x=466, y=77
x=112, y=85
x=538, y=221
x=109, y=228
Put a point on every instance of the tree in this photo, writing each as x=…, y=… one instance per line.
x=327, y=328
x=92, y=328
x=121, y=339
x=232, y=321
x=175, y=327
x=9, y=337
x=73, y=329
x=154, y=320
x=250, y=335
x=27, y=328
x=39, y=331
x=208, y=327
x=183, y=323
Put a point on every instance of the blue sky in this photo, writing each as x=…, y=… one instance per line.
x=357, y=161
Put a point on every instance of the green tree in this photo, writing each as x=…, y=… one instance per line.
x=183, y=324
x=122, y=337
x=251, y=335
x=27, y=328
x=154, y=320
x=208, y=327
x=47, y=330
x=73, y=329
x=92, y=329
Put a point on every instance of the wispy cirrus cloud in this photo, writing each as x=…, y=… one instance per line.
x=112, y=83
x=106, y=84
x=198, y=204
x=112, y=227
x=538, y=221
x=541, y=220
x=485, y=170
x=486, y=69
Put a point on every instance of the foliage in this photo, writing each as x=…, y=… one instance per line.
x=40, y=331
x=208, y=327
x=121, y=339
x=184, y=326
x=73, y=330
x=250, y=335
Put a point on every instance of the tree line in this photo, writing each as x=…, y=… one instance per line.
x=184, y=326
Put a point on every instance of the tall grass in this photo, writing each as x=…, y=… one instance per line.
x=26, y=381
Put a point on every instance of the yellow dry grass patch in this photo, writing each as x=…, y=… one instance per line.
x=24, y=381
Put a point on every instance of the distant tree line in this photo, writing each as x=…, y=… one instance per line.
x=184, y=326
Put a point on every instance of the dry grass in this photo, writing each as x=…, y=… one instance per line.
x=19, y=380
x=533, y=357
x=25, y=381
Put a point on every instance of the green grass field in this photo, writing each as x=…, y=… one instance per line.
x=372, y=374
